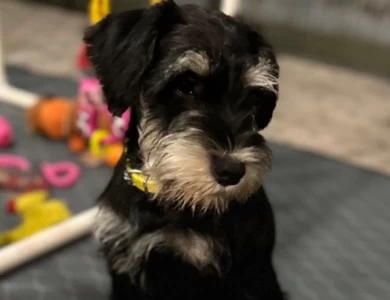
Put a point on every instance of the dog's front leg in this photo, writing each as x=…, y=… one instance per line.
x=255, y=282
x=122, y=288
x=167, y=276
x=178, y=264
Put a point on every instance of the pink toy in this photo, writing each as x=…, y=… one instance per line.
x=61, y=174
x=118, y=128
x=19, y=180
x=92, y=105
x=90, y=97
x=14, y=161
x=6, y=134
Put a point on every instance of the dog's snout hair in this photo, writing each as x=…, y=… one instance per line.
x=180, y=160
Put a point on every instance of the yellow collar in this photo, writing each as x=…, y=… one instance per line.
x=136, y=178
x=139, y=180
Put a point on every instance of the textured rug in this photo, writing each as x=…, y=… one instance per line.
x=332, y=218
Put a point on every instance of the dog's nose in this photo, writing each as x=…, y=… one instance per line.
x=227, y=170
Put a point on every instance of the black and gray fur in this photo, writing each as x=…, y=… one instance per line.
x=201, y=86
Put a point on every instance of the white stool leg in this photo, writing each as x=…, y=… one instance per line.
x=47, y=240
x=8, y=93
x=230, y=7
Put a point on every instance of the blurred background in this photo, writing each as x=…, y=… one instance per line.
x=330, y=137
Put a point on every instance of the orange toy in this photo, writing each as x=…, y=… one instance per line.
x=60, y=119
x=55, y=118
x=114, y=153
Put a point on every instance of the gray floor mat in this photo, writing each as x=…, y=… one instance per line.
x=332, y=218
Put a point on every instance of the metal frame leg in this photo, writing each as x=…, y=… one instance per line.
x=8, y=93
x=230, y=7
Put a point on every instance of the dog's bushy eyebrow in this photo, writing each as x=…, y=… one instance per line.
x=190, y=60
x=264, y=75
x=264, y=71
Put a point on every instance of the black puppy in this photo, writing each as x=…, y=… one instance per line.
x=185, y=215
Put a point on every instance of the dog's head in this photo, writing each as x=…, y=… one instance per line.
x=202, y=86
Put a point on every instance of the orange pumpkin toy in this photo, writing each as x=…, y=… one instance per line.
x=55, y=118
x=58, y=118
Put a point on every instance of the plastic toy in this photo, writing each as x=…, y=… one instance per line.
x=76, y=121
x=60, y=175
x=19, y=181
x=118, y=128
x=46, y=240
x=55, y=118
x=98, y=9
x=14, y=161
x=101, y=151
x=92, y=112
x=37, y=212
x=114, y=153
x=83, y=63
x=50, y=117
x=6, y=133
x=96, y=146
x=90, y=100
x=104, y=132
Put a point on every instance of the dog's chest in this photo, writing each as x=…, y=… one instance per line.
x=128, y=248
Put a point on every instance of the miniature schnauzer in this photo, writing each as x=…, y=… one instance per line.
x=185, y=215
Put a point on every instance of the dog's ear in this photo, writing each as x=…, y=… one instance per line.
x=121, y=47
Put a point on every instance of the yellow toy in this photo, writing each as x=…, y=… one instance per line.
x=97, y=148
x=100, y=152
x=37, y=212
x=98, y=9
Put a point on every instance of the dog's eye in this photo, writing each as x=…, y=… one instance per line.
x=259, y=97
x=262, y=102
x=186, y=84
